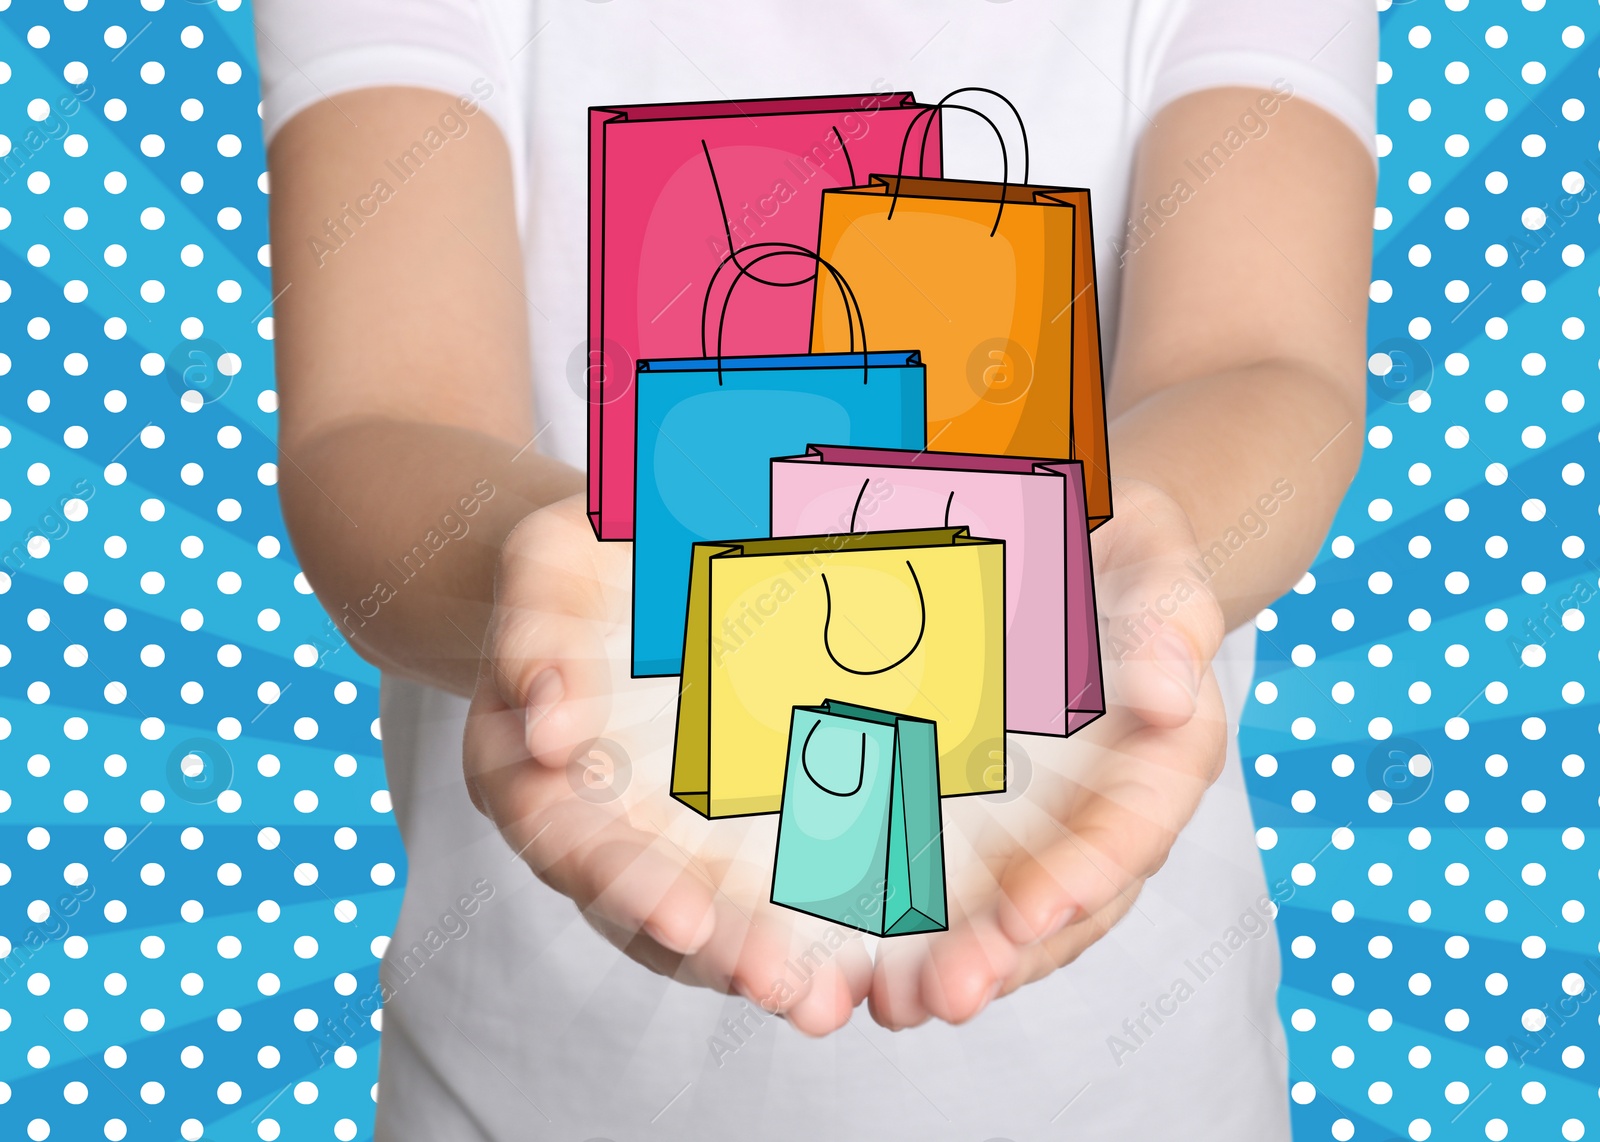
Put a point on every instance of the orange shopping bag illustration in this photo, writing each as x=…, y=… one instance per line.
x=995, y=283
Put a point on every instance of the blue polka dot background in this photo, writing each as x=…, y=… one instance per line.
x=1420, y=749
x=200, y=863
x=200, y=867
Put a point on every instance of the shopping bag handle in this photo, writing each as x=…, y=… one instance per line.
x=863, y=491
x=727, y=226
x=746, y=269
x=861, y=775
x=852, y=306
x=927, y=129
x=827, y=621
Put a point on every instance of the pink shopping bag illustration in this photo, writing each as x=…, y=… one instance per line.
x=673, y=189
x=1036, y=506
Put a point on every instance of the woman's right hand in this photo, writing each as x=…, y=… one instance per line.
x=554, y=708
x=378, y=364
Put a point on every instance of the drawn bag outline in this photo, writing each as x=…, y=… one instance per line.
x=709, y=426
x=655, y=227
x=980, y=275
x=1055, y=683
x=754, y=648
x=871, y=858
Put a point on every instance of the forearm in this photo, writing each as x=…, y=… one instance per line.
x=1259, y=457
x=407, y=432
x=399, y=526
x=1241, y=347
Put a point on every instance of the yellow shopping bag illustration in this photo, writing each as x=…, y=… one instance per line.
x=911, y=621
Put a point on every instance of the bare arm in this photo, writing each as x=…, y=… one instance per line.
x=1239, y=379
x=1237, y=407
x=402, y=345
x=405, y=382
x=404, y=378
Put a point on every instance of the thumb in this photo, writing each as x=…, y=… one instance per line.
x=1162, y=623
x=554, y=667
x=547, y=645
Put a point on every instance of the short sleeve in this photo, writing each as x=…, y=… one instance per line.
x=1326, y=51
x=311, y=50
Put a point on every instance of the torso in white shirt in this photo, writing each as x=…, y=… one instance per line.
x=533, y=1026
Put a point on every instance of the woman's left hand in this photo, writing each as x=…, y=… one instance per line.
x=1037, y=878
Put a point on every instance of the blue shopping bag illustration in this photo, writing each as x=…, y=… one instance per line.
x=708, y=428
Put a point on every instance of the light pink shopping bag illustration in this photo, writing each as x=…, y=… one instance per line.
x=1036, y=506
x=673, y=189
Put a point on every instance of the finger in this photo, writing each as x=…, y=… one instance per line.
x=630, y=879
x=814, y=981
x=640, y=948
x=896, y=998
x=951, y=975
x=837, y=988
x=633, y=879
x=559, y=594
x=1037, y=960
x=556, y=667
x=749, y=953
x=821, y=1006
x=590, y=852
x=965, y=968
x=494, y=756
x=1119, y=829
x=1162, y=621
x=811, y=971
x=632, y=883
x=624, y=876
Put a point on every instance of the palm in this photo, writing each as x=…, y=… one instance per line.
x=1085, y=821
x=582, y=790
x=1096, y=814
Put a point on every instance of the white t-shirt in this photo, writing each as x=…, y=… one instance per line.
x=534, y=1026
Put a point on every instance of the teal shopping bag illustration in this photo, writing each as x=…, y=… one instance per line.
x=859, y=832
